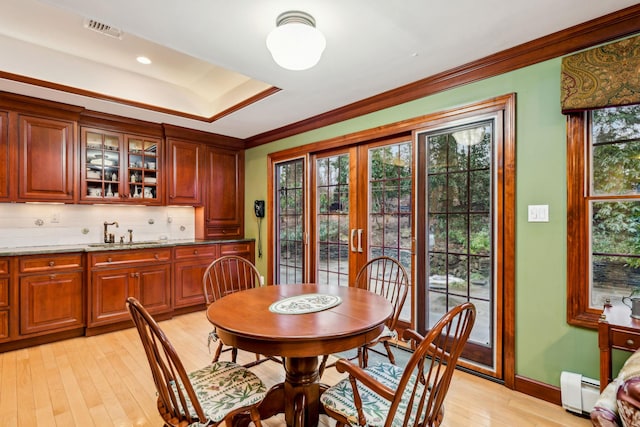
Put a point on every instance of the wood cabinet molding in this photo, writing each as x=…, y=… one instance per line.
x=120, y=124
x=194, y=135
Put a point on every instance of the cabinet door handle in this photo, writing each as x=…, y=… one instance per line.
x=53, y=277
x=630, y=342
x=195, y=252
x=109, y=259
x=156, y=256
x=52, y=263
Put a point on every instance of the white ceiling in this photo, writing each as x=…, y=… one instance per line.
x=210, y=54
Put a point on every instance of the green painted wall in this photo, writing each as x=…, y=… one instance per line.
x=545, y=344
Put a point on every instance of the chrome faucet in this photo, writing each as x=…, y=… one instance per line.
x=109, y=238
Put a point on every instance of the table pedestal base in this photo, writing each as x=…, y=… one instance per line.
x=298, y=397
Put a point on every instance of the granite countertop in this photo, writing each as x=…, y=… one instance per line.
x=98, y=247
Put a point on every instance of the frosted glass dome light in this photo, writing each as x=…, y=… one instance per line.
x=296, y=44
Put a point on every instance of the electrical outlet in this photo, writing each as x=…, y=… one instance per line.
x=55, y=217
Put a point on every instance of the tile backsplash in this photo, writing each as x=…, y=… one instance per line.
x=44, y=224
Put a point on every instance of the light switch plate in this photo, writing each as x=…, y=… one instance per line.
x=538, y=213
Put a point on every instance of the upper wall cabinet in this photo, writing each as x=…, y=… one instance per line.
x=185, y=171
x=46, y=159
x=41, y=138
x=224, y=208
x=118, y=165
x=4, y=156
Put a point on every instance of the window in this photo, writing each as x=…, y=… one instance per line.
x=290, y=202
x=603, y=224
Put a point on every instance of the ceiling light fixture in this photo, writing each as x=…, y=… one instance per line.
x=296, y=44
x=470, y=136
x=143, y=60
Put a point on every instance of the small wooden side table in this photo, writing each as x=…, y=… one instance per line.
x=616, y=329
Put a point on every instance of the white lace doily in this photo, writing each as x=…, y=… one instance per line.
x=308, y=303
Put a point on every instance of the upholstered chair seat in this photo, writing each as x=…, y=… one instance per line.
x=375, y=408
x=223, y=388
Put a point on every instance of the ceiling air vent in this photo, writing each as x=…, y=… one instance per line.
x=101, y=28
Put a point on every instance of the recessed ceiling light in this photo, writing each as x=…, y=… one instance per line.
x=143, y=60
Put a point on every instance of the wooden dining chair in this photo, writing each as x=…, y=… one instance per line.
x=387, y=395
x=386, y=277
x=226, y=275
x=207, y=396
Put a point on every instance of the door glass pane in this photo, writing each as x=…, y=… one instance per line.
x=390, y=209
x=459, y=200
x=332, y=220
x=289, y=222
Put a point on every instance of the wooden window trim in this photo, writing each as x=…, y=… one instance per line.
x=578, y=311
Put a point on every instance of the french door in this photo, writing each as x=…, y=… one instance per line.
x=362, y=208
x=458, y=199
x=290, y=201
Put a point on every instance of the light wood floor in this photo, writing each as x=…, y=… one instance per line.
x=105, y=381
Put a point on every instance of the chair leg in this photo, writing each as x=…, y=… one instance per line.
x=362, y=357
x=216, y=356
x=255, y=417
x=323, y=364
x=234, y=354
x=392, y=358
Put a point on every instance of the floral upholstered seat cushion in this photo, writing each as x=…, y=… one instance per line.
x=224, y=387
x=339, y=398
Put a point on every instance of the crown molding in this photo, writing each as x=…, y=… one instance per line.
x=606, y=28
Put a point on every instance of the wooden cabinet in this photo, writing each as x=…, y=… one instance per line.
x=5, y=191
x=616, y=329
x=244, y=249
x=38, y=150
x=122, y=160
x=51, y=293
x=224, y=207
x=5, y=302
x=188, y=269
x=117, y=275
x=119, y=167
x=46, y=159
x=191, y=262
x=184, y=172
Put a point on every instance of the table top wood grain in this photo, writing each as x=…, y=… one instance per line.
x=243, y=320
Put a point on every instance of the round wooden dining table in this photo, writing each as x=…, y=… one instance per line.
x=290, y=321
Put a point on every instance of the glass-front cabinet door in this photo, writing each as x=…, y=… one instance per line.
x=142, y=168
x=102, y=169
x=119, y=168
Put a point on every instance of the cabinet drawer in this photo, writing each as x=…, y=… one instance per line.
x=4, y=293
x=227, y=232
x=235, y=248
x=41, y=263
x=625, y=340
x=117, y=258
x=207, y=251
x=4, y=266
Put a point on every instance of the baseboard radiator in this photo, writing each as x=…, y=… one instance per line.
x=579, y=394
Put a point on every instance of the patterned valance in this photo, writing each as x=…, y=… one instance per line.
x=605, y=76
